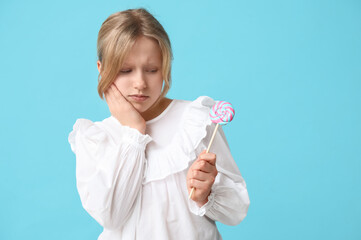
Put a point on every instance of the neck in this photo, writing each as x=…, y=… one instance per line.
x=156, y=109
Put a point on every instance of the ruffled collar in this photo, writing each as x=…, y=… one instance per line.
x=186, y=144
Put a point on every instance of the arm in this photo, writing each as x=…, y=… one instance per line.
x=108, y=172
x=228, y=200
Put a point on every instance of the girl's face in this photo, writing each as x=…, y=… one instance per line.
x=140, y=79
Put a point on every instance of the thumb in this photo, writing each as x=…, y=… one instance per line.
x=203, y=152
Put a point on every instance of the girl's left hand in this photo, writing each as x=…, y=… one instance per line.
x=201, y=176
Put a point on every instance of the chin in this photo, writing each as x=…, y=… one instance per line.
x=140, y=108
x=143, y=107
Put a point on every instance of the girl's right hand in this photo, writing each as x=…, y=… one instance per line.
x=123, y=110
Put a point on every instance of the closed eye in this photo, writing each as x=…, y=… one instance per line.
x=125, y=71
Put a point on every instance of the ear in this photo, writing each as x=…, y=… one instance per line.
x=99, y=65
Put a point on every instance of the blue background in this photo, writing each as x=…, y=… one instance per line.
x=292, y=70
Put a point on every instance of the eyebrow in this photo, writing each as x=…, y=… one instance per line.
x=152, y=64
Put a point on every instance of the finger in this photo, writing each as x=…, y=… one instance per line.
x=202, y=176
x=200, y=185
x=117, y=93
x=107, y=96
x=110, y=91
x=209, y=157
x=110, y=98
x=203, y=166
x=115, y=87
x=204, y=151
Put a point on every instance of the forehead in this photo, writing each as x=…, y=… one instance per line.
x=144, y=50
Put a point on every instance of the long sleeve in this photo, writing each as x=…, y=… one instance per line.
x=109, y=168
x=229, y=201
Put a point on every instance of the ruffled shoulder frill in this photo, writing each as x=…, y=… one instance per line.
x=186, y=145
x=108, y=131
x=82, y=126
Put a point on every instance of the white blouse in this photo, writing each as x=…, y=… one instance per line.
x=134, y=185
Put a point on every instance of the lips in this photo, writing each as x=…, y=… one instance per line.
x=139, y=97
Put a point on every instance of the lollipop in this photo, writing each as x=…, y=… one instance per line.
x=221, y=113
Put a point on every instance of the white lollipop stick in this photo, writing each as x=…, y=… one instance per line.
x=221, y=113
x=209, y=146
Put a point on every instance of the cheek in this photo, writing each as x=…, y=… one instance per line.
x=121, y=85
x=159, y=86
x=159, y=83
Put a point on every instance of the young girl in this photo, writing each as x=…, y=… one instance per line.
x=136, y=168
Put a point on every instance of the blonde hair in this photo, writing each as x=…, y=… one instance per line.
x=116, y=37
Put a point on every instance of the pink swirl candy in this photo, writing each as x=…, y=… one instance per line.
x=222, y=112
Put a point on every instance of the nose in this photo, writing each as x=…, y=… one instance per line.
x=139, y=81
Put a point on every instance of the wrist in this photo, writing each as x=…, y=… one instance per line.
x=201, y=203
x=141, y=129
